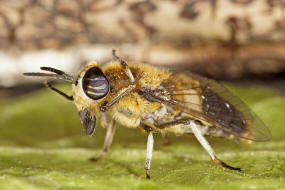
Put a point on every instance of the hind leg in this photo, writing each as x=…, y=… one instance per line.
x=195, y=127
x=165, y=139
x=202, y=140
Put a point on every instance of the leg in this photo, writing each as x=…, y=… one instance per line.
x=108, y=141
x=165, y=139
x=149, y=149
x=200, y=138
x=104, y=119
x=207, y=147
x=128, y=89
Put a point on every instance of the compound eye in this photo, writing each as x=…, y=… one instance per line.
x=95, y=84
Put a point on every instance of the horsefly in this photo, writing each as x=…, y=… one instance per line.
x=155, y=99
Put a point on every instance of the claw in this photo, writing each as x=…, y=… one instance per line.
x=147, y=174
x=96, y=159
x=223, y=164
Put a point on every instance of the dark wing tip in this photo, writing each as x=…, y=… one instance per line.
x=255, y=130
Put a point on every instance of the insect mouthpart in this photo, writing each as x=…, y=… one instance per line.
x=88, y=121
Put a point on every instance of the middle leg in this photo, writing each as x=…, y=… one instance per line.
x=111, y=128
x=149, y=149
x=132, y=86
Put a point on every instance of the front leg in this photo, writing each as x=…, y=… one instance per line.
x=104, y=120
x=149, y=149
x=129, y=73
x=111, y=128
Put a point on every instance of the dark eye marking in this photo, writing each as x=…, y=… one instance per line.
x=95, y=85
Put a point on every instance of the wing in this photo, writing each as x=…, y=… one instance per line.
x=206, y=100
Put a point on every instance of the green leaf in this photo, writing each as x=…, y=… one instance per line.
x=42, y=146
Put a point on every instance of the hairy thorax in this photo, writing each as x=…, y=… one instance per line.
x=130, y=109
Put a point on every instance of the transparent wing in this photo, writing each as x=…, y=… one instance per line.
x=219, y=106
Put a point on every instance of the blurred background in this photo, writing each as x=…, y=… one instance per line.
x=237, y=40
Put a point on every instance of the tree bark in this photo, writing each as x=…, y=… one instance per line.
x=220, y=38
